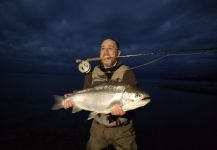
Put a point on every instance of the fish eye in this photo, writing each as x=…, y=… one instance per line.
x=137, y=95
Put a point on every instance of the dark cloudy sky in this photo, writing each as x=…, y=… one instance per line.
x=47, y=36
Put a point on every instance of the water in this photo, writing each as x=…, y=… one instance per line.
x=181, y=115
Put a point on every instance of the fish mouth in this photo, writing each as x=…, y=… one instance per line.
x=141, y=102
x=145, y=99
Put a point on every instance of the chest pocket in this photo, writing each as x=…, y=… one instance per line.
x=99, y=76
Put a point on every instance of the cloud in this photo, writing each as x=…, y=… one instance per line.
x=52, y=32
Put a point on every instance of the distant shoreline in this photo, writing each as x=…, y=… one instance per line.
x=212, y=90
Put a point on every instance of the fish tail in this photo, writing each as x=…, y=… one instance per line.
x=59, y=101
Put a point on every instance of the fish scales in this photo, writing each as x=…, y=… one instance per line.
x=101, y=98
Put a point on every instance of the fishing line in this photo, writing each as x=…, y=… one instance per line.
x=167, y=55
x=148, y=63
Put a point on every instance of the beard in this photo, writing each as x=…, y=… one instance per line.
x=109, y=62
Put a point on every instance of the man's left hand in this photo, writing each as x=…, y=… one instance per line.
x=117, y=110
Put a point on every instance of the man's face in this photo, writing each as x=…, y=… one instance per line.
x=109, y=49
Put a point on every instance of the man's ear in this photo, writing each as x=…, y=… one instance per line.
x=119, y=52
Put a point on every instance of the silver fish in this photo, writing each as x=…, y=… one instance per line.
x=101, y=98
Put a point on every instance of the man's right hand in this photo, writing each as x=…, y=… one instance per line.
x=68, y=104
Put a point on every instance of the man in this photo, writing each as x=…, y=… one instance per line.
x=115, y=128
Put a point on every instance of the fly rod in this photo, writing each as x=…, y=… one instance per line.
x=123, y=56
x=84, y=65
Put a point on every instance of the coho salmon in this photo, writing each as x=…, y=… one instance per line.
x=101, y=98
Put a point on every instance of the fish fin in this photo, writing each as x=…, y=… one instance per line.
x=92, y=115
x=76, y=109
x=58, y=104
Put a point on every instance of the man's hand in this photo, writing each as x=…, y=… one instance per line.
x=117, y=110
x=68, y=104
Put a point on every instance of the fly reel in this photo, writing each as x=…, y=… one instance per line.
x=84, y=66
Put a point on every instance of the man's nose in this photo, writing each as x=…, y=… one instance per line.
x=106, y=52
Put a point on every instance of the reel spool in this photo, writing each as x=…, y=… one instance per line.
x=84, y=66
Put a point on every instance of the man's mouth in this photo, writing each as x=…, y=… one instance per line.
x=107, y=58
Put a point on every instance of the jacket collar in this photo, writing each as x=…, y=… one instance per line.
x=110, y=70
